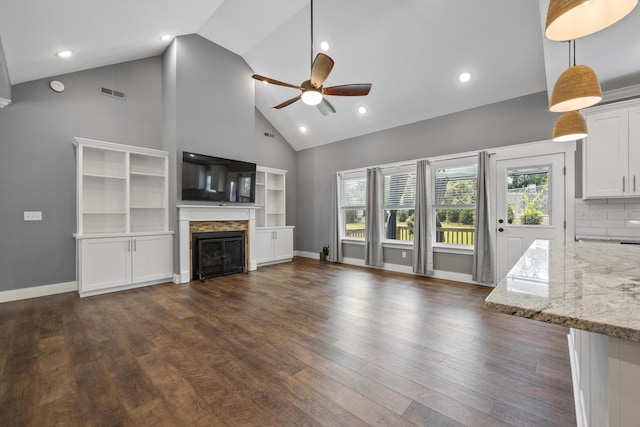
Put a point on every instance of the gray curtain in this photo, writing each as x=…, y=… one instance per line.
x=483, y=251
x=422, y=230
x=335, y=248
x=373, y=233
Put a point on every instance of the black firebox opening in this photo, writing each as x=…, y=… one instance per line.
x=217, y=253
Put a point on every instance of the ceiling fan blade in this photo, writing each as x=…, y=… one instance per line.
x=325, y=107
x=273, y=82
x=288, y=102
x=359, y=89
x=320, y=69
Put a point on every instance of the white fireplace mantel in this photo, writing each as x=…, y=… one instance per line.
x=189, y=213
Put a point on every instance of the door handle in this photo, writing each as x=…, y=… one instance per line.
x=623, y=186
x=135, y=247
x=501, y=229
x=501, y=221
x=129, y=246
x=634, y=183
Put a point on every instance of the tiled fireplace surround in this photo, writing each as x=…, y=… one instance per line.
x=195, y=218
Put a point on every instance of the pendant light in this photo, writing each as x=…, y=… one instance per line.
x=569, y=127
x=572, y=19
x=576, y=88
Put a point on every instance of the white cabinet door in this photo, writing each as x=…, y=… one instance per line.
x=606, y=153
x=104, y=263
x=263, y=244
x=283, y=244
x=634, y=151
x=152, y=258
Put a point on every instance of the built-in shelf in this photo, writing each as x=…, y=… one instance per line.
x=274, y=239
x=270, y=196
x=123, y=217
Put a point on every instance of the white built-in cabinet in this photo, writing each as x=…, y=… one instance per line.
x=123, y=237
x=274, y=239
x=605, y=373
x=274, y=245
x=611, y=152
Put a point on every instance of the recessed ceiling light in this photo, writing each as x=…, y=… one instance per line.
x=362, y=110
x=324, y=45
x=464, y=77
x=303, y=129
x=64, y=54
x=166, y=37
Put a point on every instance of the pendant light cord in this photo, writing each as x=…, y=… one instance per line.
x=574, y=52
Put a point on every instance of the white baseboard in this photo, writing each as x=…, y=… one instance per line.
x=303, y=254
x=437, y=274
x=38, y=291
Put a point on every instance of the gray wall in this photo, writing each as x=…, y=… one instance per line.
x=215, y=101
x=5, y=83
x=515, y=121
x=37, y=160
x=210, y=109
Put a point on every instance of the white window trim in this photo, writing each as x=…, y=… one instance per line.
x=408, y=246
x=453, y=249
x=449, y=163
x=352, y=174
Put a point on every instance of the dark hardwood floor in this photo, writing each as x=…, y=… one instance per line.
x=301, y=343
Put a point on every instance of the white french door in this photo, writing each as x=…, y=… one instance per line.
x=530, y=205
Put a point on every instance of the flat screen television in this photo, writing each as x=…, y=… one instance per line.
x=214, y=179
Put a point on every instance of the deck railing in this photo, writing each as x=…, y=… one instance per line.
x=449, y=235
x=455, y=236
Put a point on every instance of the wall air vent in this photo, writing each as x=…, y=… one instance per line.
x=112, y=93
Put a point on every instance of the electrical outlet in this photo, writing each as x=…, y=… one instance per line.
x=32, y=216
x=404, y=254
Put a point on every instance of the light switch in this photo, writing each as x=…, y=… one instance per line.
x=32, y=215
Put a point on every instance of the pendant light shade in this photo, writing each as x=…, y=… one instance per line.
x=569, y=127
x=576, y=88
x=572, y=19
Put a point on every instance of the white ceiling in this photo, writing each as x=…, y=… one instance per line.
x=410, y=50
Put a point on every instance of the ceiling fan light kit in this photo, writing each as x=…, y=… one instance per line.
x=576, y=88
x=569, y=127
x=572, y=19
x=311, y=96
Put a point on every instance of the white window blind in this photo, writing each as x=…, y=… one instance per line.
x=352, y=191
x=455, y=186
x=399, y=191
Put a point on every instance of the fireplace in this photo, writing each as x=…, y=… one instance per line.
x=217, y=253
x=207, y=218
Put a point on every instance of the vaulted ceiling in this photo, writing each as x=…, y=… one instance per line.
x=412, y=51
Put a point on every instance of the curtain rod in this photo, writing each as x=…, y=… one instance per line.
x=413, y=162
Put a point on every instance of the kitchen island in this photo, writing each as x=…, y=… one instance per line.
x=593, y=289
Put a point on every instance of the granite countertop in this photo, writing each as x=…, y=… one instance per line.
x=583, y=285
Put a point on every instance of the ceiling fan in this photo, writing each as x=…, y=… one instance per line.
x=312, y=90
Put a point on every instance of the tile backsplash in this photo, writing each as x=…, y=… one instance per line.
x=615, y=219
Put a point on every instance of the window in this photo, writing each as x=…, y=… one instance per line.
x=455, y=188
x=528, y=201
x=352, y=203
x=398, y=203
